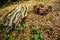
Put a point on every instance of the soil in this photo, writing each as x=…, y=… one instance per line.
x=47, y=14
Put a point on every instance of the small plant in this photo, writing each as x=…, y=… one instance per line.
x=22, y=27
x=34, y=30
x=32, y=25
x=26, y=38
x=38, y=36
x=8, y=37
x=47, y=28
x=3, y=22
x=35, y=37
x=41, y=37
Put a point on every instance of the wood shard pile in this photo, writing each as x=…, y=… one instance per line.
x=17, y=15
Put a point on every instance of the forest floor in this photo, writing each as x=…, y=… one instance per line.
x=48, y=25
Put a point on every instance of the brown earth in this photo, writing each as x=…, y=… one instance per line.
x=50, y=20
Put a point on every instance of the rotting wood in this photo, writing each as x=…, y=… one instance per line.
x=15, y=15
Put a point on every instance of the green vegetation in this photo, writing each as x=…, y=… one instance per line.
x=8, y=37
x=37, y=34
x=21, y=27
x=26, y=38
x=58, y=38
x=36, y=37
x=4, y=3
x=17, y=29
x=2, y=22
x=34, y=30
x=47, y=29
